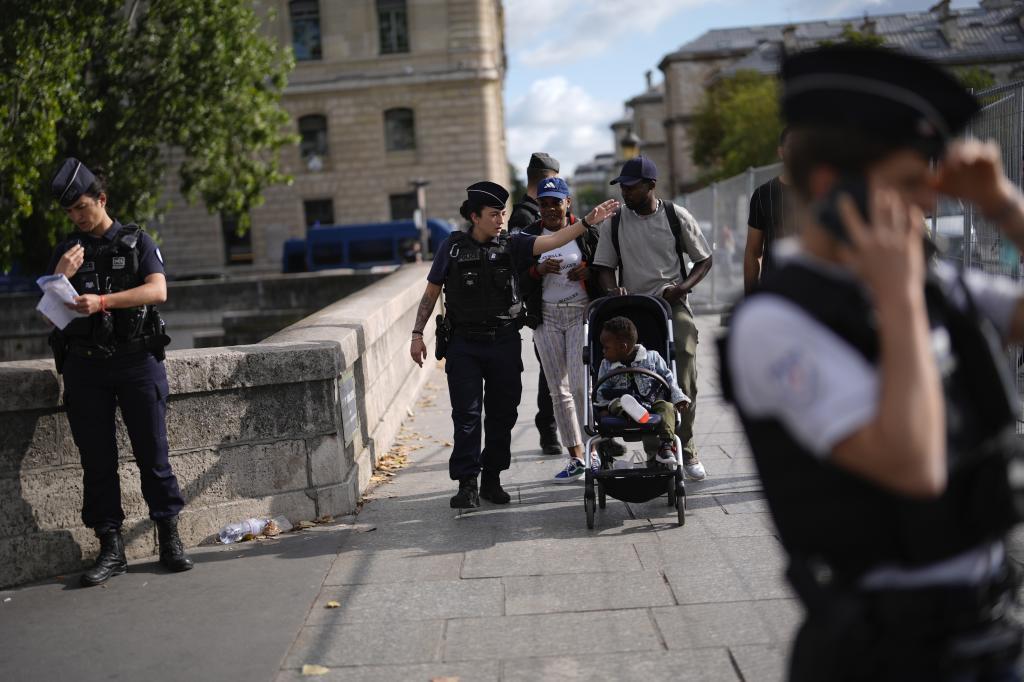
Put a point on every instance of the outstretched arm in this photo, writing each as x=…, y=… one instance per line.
x=567, y=234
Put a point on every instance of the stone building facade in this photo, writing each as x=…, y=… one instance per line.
x=384, y=92
x=989, y=36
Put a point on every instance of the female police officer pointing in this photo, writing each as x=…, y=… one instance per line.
x=107, y=358
x=478, y=270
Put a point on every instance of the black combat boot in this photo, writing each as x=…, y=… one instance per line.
x=111, y=560
x=468, y=496
x=490, y=488
x=172, y=554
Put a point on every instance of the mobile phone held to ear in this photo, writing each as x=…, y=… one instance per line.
x=856, y=187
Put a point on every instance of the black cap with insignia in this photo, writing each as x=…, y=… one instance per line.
x=487, y=193
x=72, y=180
x=888, y=94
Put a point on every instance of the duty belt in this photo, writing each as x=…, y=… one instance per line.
x=486, y=333
x=94, y=352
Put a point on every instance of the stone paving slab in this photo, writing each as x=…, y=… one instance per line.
x=586, y=592
x=555, y=634
x=408, y=601
x=354, y=644
x=475, y=671
x=701, y=665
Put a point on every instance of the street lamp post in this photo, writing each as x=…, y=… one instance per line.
x=420, y=184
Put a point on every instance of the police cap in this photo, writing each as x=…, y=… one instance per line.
x=487, y=193
x=898, y=98
x=543, y=161
x=72, y=180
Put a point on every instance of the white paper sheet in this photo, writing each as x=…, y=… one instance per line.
x=57, y=291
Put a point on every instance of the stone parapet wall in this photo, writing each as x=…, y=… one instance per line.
x=289, y=426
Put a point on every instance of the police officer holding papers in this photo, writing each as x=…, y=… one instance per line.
x=870, y=383
x=112, y=356
x=478, y=270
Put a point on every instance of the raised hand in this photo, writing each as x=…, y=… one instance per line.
x=887, y=253
x=972, y=170
x=602, y=211
x=70, y=262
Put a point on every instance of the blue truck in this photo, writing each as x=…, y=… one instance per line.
x=359, y=246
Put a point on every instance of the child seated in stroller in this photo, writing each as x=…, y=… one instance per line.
x=620, y=395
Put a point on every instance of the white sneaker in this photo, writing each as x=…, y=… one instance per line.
x=694, y=469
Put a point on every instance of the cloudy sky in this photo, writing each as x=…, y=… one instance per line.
x=572, y=63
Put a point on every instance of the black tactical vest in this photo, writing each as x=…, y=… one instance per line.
x=829, y=515
x=109, y=266
x=482, y=289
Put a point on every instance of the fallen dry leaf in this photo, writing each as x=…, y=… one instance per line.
x=310, y=670
x=444, y=679
x=325, y=519
x=303, y=525
x=332, y=605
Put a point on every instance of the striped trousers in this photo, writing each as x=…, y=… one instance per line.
x=559, y=340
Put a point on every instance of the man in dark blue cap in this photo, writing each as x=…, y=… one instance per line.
x=110, y=357
x=649, y=242
x=880, y=417
x=526, y=212
x=478, y=270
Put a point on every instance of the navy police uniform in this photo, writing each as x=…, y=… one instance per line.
x=895, y=588
x=114, y=359
x=484, y=354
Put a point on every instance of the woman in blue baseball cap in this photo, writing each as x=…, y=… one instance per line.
x=557, y=288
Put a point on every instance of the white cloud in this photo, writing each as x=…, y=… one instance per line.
x=562, y=119
x=541, y=32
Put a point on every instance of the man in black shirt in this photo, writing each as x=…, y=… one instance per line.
x=525, y=213
x=767, y=221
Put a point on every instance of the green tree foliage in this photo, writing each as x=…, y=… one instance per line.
x=851, y=36
x=974, y=77
x=737, y=125
x=126, y=87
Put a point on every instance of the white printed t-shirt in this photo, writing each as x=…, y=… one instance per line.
x=558, y=288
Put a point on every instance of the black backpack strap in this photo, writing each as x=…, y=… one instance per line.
x=616, y=219
x=677, y=233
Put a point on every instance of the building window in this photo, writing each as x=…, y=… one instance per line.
x=237, y=248
x=399, y=129
x=319, y=212
x=313, y=143
x=305, y=16
x=403, y=206
x=394, y=27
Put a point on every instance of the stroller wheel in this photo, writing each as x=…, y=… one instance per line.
x=601, y=498
x=681, y=506
x=672, y=491
x=589, y=504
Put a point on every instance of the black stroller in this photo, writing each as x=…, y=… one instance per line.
x=653, y=319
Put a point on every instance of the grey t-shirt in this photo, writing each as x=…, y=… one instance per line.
x=649, y=259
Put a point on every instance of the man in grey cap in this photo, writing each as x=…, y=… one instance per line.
x=525, y=213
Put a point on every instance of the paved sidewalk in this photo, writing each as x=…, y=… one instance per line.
x=522, y=592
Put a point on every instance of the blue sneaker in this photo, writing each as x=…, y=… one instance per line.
x=573, y=470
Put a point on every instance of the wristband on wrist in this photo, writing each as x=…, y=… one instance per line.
x=103, y=304
x=585, y=223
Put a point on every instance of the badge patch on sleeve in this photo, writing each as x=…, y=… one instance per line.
x=796, y=378
x=159, y=256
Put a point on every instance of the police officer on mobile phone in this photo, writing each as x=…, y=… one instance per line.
x=112, y=356
x=869, y=383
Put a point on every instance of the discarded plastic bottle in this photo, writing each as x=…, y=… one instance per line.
x=234, y=532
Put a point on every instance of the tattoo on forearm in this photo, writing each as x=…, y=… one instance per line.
x=423, y=313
